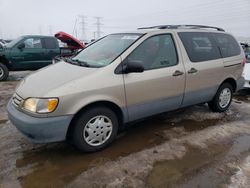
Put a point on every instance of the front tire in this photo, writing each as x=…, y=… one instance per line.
x=94, y=129
x=222, y=99
x=4, y=72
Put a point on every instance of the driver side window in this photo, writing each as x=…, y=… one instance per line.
x=155, y=52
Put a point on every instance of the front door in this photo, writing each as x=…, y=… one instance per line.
x=161, y=86
x=31, y=56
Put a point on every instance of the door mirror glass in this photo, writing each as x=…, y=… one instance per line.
x=21, y=46
x=133, y=66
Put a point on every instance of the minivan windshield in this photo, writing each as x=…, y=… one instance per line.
x=106, y=50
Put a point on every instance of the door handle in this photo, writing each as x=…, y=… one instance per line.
x=178, y=73
x=192, y=71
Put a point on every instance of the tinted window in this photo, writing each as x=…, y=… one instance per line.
x=106, y=50
x=156, y=52
x=32, y=43
x=228, y=45
x=50, y=43
x=200, y=46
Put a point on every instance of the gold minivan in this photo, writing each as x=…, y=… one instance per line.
x=124, y=77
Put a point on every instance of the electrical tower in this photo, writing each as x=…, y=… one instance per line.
x=50, y=28
x=98, y=27
x=74, y=33
x=40, y=29
x=83, y=23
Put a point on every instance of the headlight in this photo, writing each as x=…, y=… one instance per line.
x=37, y=105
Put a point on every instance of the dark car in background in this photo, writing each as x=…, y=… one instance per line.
x=31, y=52
x=246, y=49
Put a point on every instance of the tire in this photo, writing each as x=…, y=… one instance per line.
x=4, y=72
x=94, y=121
x=217, y=104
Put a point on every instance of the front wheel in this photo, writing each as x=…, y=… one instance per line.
x=222, y=99
x=4, y=72
x=94, y=129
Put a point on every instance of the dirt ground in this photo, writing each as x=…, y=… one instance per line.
x=191, y=147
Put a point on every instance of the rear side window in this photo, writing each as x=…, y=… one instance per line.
x=228, y=45
x=50, y=43
x=200, y=46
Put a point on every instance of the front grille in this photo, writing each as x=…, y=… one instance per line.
x=17, y=100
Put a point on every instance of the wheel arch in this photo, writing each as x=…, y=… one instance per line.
x=231, y=81
x=114, y=107
x=5, y=61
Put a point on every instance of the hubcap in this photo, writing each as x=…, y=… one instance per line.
x=98, y=130
x=225, y=97
x=1, y=72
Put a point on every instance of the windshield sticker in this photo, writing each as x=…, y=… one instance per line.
x=130, y=37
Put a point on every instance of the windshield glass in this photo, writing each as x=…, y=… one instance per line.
x=106, y=50
x=13, y=43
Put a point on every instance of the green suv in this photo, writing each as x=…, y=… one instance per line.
x=27, y=53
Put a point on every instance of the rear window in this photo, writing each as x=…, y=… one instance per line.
x=200, y=46
x=50, y=43
x=228, y=45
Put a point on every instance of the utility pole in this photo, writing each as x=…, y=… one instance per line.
x=83, y=23
x=50, y=28
x=98, y=27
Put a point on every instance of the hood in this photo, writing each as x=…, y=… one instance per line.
x=71, y=41
x=49, y=78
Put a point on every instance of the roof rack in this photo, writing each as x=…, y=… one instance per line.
x=183, y=26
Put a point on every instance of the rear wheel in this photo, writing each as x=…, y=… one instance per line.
x=94, y=129
x=222, y=99
x=4, y=72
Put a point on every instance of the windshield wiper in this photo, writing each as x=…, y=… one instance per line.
x=81, y=63
x=77, y=62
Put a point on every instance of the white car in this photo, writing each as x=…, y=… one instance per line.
x=246, y=72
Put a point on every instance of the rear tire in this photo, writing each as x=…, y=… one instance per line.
x=222, y=99
x=4, y=72
x=94, y=129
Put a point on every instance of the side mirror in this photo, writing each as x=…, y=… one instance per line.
x=21, y=46
x=133, y=66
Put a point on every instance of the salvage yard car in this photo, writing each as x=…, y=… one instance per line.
x=126, y=77
x=32, y=53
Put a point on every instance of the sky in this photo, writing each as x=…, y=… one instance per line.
x=21, y=17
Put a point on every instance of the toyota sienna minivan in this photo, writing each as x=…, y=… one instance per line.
x=125, y=77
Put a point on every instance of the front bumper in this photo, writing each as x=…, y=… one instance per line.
x=39, y=130
x=247, y=84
